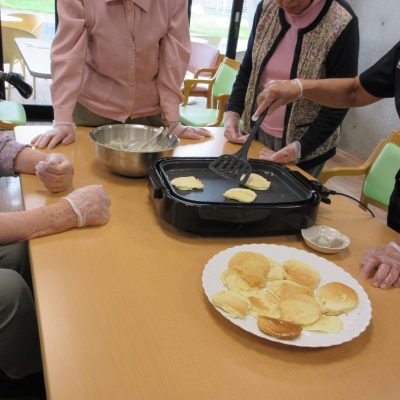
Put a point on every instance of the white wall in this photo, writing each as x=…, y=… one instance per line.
x=379, y=22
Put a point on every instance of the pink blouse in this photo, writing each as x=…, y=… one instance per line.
x=280, y=64
x=120, y=59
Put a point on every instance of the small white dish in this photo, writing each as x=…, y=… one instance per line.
x=325, y=239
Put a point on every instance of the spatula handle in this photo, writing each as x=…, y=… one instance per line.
x=246, y=145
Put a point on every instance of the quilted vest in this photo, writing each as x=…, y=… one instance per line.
x=311, y=65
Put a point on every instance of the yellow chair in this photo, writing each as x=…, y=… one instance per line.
x=11, y=55
x=379, y=170
x=31, y=23
x=204, y=61
x=219, y=90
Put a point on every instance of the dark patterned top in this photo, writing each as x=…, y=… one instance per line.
x=327, y=48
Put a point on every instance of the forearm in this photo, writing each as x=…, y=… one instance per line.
x=68, y=56
x=26, y=161
x=26, y=225
x=174, y=55
x=337, y=93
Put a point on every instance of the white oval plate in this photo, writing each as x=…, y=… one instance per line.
x=354, y=322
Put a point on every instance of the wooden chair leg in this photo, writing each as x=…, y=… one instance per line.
x=34, y=87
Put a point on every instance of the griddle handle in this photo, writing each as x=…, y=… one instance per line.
x=326, y=200
x=156, y=184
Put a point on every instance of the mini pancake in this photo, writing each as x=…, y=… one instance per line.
x=285, y=289
x=187, y=183
x=252, y=267
x=242, y=195
x=233, y=281
x=326, y=323
x=301, y=272
x=302, y=310
x=336, y=298
x=264, y=303
x=232, y=303
x=278, y=328
x=257, y=182
x=275, y=272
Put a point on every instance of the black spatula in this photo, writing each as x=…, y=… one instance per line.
x=236, y=166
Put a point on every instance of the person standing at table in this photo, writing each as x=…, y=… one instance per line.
x=291, y=39
x=20, y=361
x=118, y=61
x=382, y=80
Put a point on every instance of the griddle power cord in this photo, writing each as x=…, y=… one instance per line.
x=364, y=206
x=325, y=192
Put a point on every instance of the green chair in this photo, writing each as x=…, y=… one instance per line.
x=11, y=115
x=220, y=87
x=379, y=170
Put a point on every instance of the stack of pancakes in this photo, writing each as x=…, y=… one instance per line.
x=285, y=298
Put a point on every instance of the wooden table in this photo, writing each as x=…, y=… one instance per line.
x=36, y=55
x=123, y=315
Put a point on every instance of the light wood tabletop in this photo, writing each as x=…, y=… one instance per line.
x=123, y=314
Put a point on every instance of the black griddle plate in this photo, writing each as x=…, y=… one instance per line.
x=289, y=205
x=284, y=187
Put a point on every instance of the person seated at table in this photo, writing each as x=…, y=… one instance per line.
x=118, y=62
x=18, y=81
x=295, y=38
x=20, y=362
x=381, y=80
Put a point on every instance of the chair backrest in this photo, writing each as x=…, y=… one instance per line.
x=11, y=114
x=10, y=51
x=380, y=179
x=202, y=55
x=30, y=22
x=225, y=76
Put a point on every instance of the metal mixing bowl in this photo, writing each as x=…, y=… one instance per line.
x=119, y=147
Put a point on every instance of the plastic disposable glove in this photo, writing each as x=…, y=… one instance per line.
x=383, y=265
x=61, y=132
x=189, y=132
x=91, y=205
x=55, y=172
x=289, y=153
x=277, y=94
x=231, y=125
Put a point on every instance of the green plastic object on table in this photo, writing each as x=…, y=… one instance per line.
x=11, y=114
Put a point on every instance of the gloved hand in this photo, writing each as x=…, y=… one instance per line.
x=91, y=205
x=289, y=153
x=383, y=265
x=189, y=132
x=63, y=132
x=55, y=172
x=231, y=125
x=277, y=94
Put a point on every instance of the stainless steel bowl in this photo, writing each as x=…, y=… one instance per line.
x=119, y=147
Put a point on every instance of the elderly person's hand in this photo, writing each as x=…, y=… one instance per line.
x=383, y=265
x=55, y=172
x=277, y=94
x=289, y=153
x=61, y=132
x=188, y=132
x=231, y=125
x=91, y=205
